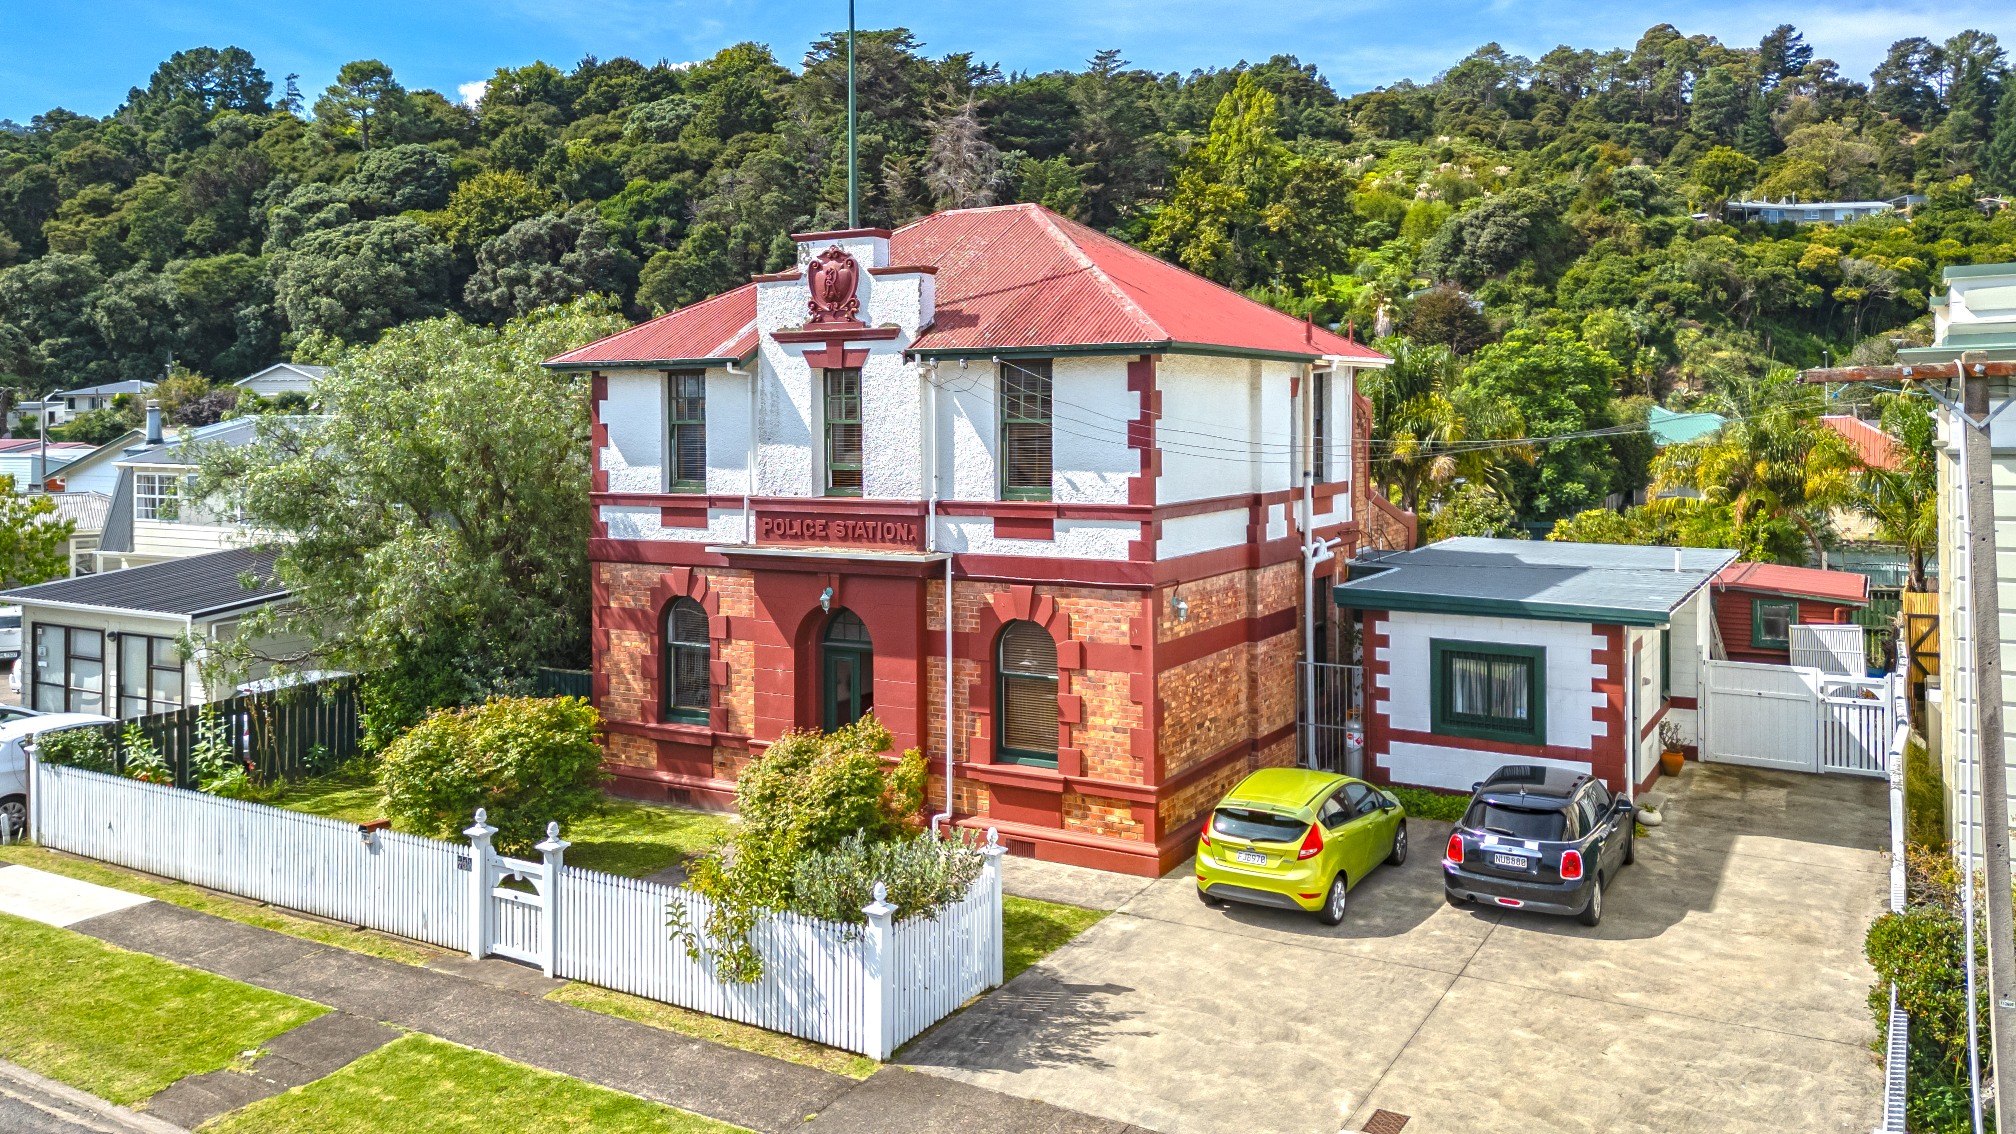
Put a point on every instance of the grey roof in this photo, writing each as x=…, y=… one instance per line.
x=129, y=386
x=117, y=535
x=181, y=448
x=306, y=370
x=86, y=509
x=1570, y=582
x=198, y=586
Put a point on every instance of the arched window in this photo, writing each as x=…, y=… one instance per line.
x=686, y=658
x=1026, y=690
x=847, y=669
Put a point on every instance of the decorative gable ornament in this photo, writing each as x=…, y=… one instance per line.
x=833, y=276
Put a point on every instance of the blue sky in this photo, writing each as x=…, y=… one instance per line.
x=84, y=56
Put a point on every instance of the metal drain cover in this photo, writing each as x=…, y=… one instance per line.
x=1385, y=1122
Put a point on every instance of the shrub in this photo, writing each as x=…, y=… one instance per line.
x=805, y=798
x=213, y=759
x=87, y=748
x=1424, y=804
x=922, y=873
x=144, y=761
x=1922, y=950
x=527, y=761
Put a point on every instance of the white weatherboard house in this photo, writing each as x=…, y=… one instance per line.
x=283, y=378
x=131, y=643
x=1484, y=652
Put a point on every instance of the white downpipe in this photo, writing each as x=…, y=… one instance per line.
x=1315, y=552
x=930, y=448
x=1971, y=767
x=749, y=471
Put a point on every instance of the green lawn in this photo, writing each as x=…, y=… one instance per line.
x=1036, y=929
x=420, y=1083
x=218, y=905
x=629, y=838
x=124, y=1025
x=700, y=1025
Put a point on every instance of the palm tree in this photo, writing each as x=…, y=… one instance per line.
x=1773, y=464
x=1903, y=502
x=1430, y=431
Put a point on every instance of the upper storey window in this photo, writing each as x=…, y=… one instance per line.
x=1025, y=429
x=686, y=401
x=843, y=432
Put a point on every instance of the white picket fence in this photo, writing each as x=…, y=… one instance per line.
x=867, y=988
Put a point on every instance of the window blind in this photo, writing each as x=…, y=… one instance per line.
x=843, y=432
x=1025, y=429
x=687, y=405
x=1028, y=693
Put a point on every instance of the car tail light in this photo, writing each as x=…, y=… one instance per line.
x=1571, y=865
x=1456, y=848
x=1312, y=844
x=1204, y=836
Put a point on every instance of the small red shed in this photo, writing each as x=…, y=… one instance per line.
x=1757, y=604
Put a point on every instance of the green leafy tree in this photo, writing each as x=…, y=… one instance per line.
x=1473, y=510
x=1213, y=223
x=1430, y=431
x=356, y=281
x=34, y=543
x=433, y=526
x=1560, y=386
x=361, y=103
x=1903, y=502
x=547, y=260
x=488, y=204
x=1721, y=172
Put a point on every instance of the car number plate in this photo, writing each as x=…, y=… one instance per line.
x=1515, y=861
x=1249, y=858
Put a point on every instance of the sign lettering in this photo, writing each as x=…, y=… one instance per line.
x=844, y=531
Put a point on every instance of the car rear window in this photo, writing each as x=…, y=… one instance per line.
x=1516, y=822
x=1257, y=826
x=10, y=622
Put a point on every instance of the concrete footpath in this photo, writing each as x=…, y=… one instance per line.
x=516, y=1022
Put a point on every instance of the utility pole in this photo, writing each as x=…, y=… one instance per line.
x=853, y=166
x=1986, y=601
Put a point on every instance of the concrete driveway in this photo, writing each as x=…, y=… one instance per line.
x=1724, y=991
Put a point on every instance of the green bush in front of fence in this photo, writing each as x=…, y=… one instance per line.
x=1922, y=950
x=526, y=761
x=87, y=748
x=808, y=795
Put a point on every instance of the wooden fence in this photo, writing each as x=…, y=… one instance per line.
x=284, y=734
x=563, y=683
x=865, y=988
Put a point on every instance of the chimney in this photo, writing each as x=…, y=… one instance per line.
x=153, y=422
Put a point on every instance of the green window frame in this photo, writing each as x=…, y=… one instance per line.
x=688, y=674
x=1760, y=633
x=1459, y=707
x=843, y=431
x=1025, y=695
x=1666, y=662
x=1025, y=399
x=1319, y=427
x=686, y=437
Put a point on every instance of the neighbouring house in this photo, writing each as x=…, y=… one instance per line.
x=86, y=512
x=154, y=514
x=1113, y=466
x=1811, y=212
x=30, y=463
x=133, y=642
x=1483, y=652
x=1974, y=326
x=283, y=378
x=1757, y=604
x=1670, y=428
x=66, y=404
x=97, y=470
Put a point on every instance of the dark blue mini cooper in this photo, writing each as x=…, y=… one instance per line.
x=1542, y=839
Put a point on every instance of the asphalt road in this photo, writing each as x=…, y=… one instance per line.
x=30, y=1104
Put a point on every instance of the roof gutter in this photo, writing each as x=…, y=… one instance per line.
x=108, y=608
x=1157, y=346
x=654, y=363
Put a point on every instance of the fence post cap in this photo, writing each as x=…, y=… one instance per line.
x=481, y=829
x=993, y=848
x=553, y=844
x=879, y=909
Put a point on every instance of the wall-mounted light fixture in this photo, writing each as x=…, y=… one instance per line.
x=826, y=599
x=1181, y=606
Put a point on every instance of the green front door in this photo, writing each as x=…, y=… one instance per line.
x=847, y=671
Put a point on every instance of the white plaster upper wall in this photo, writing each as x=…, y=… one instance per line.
x=1090, y=460
x=634, y=414
x=724, y=525
x=1455, y=769
x=1188, y=535
x=1074, y=539
x=1209, y=438
x=1571, y=668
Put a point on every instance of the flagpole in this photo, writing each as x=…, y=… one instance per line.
x=853, y=188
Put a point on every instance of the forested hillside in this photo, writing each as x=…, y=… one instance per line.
x=1553, y=223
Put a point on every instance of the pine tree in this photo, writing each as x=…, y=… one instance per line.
x=1998, y=159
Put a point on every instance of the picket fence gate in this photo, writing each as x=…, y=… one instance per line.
x=864, y=988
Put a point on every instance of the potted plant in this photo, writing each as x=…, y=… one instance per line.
x=1671, y=757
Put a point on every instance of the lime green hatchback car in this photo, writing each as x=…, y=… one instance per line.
x=1297, y=839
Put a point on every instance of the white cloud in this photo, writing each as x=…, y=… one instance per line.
x=472, y=93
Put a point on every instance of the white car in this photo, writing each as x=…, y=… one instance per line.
x=15, y=734
x=10, y=633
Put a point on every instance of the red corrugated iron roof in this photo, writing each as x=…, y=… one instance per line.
x=1877, y=449
x=1017, y=277
x=1799, y=582
x=723, y=327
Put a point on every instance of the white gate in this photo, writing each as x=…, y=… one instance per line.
x=1831, y=648
x=1796, y=719
x=513, y=922
x=1766, y=716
